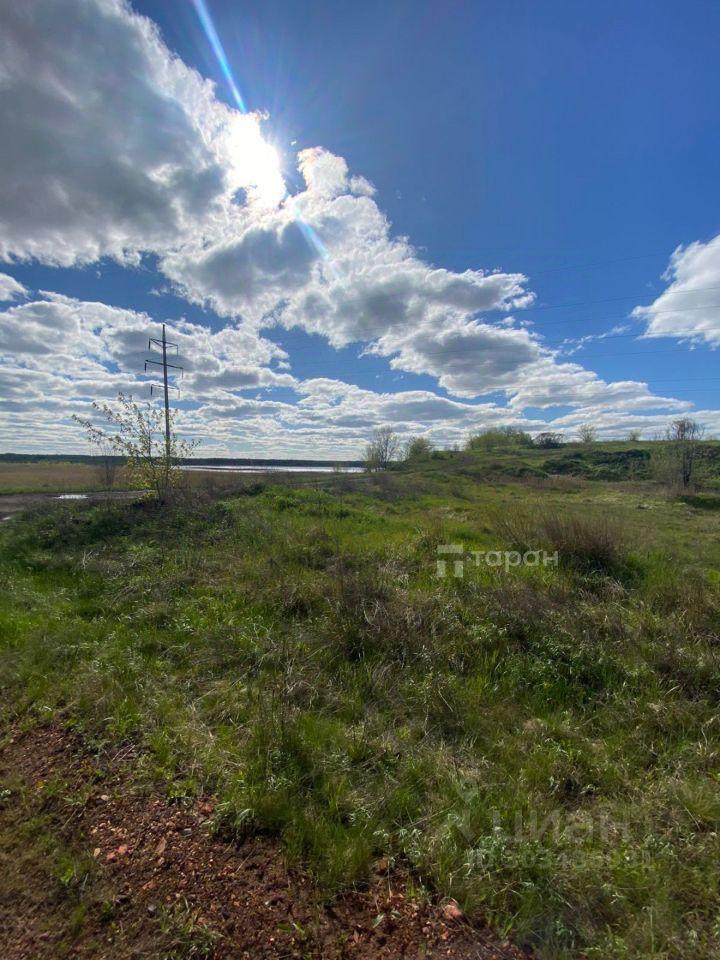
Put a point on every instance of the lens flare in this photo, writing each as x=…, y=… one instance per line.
x=208, y=26
x=311, y=236
x=219, y=51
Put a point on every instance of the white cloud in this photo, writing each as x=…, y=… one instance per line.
x=359, y=284
x=110, y=145
x=93, y=340
x=361, y=187
x=468, y=357
x=57, y=354
x=573, y=344
x=10, y=288
x=326, y=261
x=247, y=270
x=690, y=306
x=325, y=174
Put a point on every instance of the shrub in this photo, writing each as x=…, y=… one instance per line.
x=587, y=433
x=548, y=441
x=587, y=543
x=499, y=438
x=417, y=448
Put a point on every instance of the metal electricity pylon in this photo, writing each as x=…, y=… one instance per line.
x=164, y=344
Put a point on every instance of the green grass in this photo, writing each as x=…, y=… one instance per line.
x=540, y=743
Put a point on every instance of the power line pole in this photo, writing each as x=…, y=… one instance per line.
x=164, y=344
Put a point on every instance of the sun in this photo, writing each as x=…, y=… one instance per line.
x=255, y=163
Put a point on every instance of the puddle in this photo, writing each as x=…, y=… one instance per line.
x=71, y=496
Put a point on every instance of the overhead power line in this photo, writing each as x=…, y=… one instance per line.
x=497, y=323
x=632, y=296
x=463, y=350
x=557, y=269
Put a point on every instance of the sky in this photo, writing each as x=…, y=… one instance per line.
x=440, y=217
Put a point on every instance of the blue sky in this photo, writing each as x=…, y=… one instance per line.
x=487, y=183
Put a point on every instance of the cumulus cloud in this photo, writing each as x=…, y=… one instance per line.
x=109, y=345
x=689, y=308
x=386, y=293
x=246, y=271
x=325, y=174
x=10, y=288
x=547, y=383
x=325, y=261
x=468, y=358
x=359, y=284
x=109, y=144
x=58, y=353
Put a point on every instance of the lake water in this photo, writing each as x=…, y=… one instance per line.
x=259, y=468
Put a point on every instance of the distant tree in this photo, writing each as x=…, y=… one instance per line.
x=685, y=430
x=383, y=447
x=684, y=436
x=417, y=448
x=107, y=465
x=634, y=435
x=499, y=438
x=587, y=433
x=137, y=433
x=548, y=440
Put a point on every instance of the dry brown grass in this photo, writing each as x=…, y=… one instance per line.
x=54, y=477
x=563, y=483
x=65, y=477
x=589, y=542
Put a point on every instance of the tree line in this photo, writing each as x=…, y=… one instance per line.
x=675, y=460
x=132, y=432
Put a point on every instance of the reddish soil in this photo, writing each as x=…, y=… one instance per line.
x=162, y=885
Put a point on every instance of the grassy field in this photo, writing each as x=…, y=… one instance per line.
x=539, y=741
x=55, y=477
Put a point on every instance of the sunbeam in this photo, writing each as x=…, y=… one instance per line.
x=208, y=26
x=219, y=51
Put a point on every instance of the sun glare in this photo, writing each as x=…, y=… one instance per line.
x=255, y=163
x=264, y=173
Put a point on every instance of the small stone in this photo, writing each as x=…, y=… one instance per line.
x=451, y=910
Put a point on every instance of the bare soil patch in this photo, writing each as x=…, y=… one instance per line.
x=90, y=866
